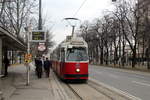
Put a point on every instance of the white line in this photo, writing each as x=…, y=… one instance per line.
x=140, y=83
x=139, y=77
x=126, y=94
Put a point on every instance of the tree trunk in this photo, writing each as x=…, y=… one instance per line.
x=115, y=56
x=134, y=58
x=148, y=57
x=107, y=58
x=97, y=55
x=102, y=56
x=148, y=62
x=123, y=53
x=143, y=52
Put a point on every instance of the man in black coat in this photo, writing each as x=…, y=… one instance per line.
x=38, y=63
x=47, y=67
x=6, y=63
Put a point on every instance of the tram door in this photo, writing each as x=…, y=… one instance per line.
x=62, y=62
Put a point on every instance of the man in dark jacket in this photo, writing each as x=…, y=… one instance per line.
x=6, y=63
x=47, y=67
x=38, y=63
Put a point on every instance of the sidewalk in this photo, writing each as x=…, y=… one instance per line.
x=14, y=86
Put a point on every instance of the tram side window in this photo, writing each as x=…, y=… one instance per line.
x=58, y=55
x=62, y=55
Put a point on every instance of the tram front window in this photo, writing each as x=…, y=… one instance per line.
x=77, y=54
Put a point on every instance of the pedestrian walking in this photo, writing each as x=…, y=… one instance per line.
x=47, y=67
x=38, y=63
x=6, y=64
x=43, y=59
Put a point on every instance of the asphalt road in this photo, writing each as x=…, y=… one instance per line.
x=135, y=83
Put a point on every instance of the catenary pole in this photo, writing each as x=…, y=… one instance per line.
x=40, y=15
x=28, y=52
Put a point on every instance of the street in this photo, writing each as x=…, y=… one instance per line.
x=47, y=48
x=136, y=84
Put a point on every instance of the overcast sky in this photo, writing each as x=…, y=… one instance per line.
x=55, y=10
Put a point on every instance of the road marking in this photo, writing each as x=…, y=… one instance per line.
x=141, y=83
x=114, y=76
x=126, y=94
x=140, y=77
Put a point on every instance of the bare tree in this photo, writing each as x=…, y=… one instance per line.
x=112, y=34
x=15, y=13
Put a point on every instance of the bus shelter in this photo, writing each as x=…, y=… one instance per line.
x=11, y=47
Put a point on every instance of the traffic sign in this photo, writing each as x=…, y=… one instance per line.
x=41, y=47
x=28, y=58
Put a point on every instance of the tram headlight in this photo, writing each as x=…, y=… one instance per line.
x=77, y=70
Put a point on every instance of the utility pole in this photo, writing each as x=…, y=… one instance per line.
x=28, y=67
x=40, y=15
x=18, y=17
x=28, y=30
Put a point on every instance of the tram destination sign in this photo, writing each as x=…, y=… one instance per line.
x=38, y=36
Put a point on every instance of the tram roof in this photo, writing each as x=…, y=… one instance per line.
x=76, y=41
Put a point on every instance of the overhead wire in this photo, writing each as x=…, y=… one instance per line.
x=79, y=8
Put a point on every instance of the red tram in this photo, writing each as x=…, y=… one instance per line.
x=70, y=59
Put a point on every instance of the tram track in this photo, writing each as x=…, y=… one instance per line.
x=111, y=98
x=116, y=94
x=112, y=95
x=62, y=91
x=84, y=91
x=94, y=91
x=74, y=92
